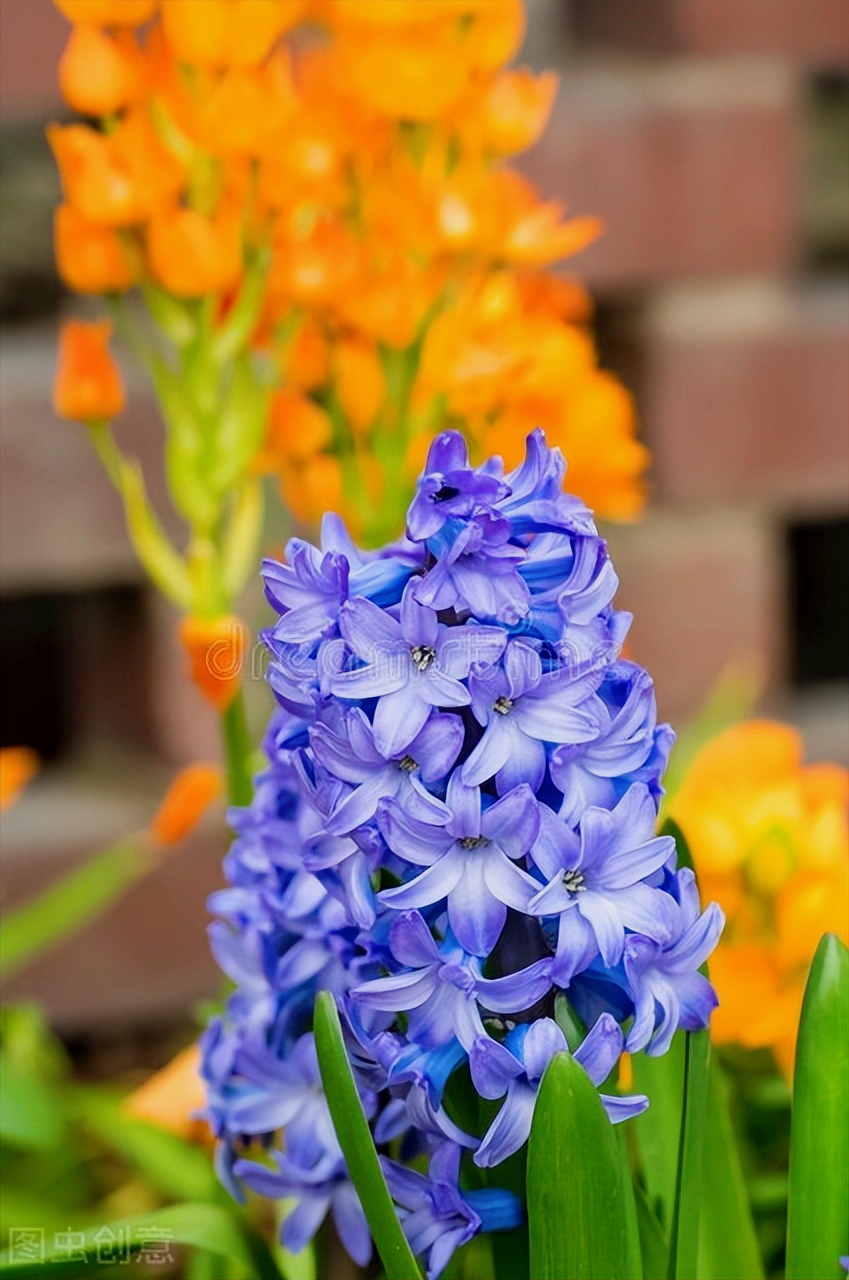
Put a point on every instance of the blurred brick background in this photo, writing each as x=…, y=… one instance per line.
x=713, y=138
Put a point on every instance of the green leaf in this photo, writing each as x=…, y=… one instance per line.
x=355, y=1139
x=818, y=1207
x=728, y=1248
x=737, y=690
x=174, y=1167
x=684, y=1226
x=577, y=1217
x=653, y=1245
x=31, y=1115
x=728, y=1245
x=214, y=1229
x=65, y=907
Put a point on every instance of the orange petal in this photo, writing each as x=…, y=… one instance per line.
x=92, y=258
x=187, y=799
x=171, y=1097
x=100, y=74
x=108, y=13
x=17, y=766
x=88, y=385
x=216, y=649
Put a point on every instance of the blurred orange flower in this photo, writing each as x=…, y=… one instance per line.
x=88, y=386
x=191, y=255
x=100, y=74
x=408, y=280
x=17, y=766
x=216, y=648
x=770, y=842
x=92, y=258
x=189, y=796
x=172, y=1097
x=108, y=13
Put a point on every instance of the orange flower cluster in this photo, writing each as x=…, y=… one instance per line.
x=770, y=843
x=360, y=144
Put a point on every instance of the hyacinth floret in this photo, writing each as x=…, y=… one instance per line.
x=455, y=834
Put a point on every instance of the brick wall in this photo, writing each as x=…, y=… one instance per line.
x=695, y=129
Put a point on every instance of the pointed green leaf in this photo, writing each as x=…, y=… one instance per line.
x=31, y=1113
x=818, y=1209
x=653, y=1245
x=728, y=1245
x=355, y=1139
x=576, y=1206
x=70, y=904
x=684, y=1226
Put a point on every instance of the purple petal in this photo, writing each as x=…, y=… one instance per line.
x=439, y=689
x=303, y=1221
x=369, y=682
x=619, y=1109
x=526, y=763
x=418, y=842
x=475, y=915
x=460, y=647
x=350, y=1222
x=399, y=991
x=698, y=1001
x=515, y=991
x=369, y=630
x=492, y=1067
x=699, y=940
x=412, y=942
x=606, y=925
x=600, y=1049
x=507, y=882
x=464, y=802
x=648, y=911
x=400, y=715
x=522, y=667
x=437, y=745
x=543, y=1041
x=492, y=752
x=362, y=803
x=553, y=720
x=625, y=866
x=513, y=821
x=418, y=623
x=510, y=1128
x=557, y=847
x=434, y=884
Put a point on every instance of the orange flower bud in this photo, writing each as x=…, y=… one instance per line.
x=92, y=258
x=313, y=488
x=360, y=381
x=496, y=33
x=408, y=79
x=187, y=799
x=117, y=179
x=305, y=362
x=100, y=74
x=88, y=385
x=515, y=110
x=222, y=33
x=216, y=648
x=191, y=255
x=108, y=13
x=297, y=430
x=171, y=1097
x=17, y=766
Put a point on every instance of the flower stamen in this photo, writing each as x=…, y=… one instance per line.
x=502, y=705
x=574, y=881
x=422, y=655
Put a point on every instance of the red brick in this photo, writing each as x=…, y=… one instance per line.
x=815, y=31
x=747, y=396
x=32, y=36
x=704, y=588
x=692, y=166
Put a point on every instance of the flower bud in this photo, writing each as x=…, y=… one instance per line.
x=100, y=74
x=92, y=258
x=216, y=650
x=88, y=385
x=187, y=799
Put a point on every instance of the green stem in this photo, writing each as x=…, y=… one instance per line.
x=237, y=748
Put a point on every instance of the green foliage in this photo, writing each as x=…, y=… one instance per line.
x=818, y=1209
x=580, y=1223
x=355, y=1139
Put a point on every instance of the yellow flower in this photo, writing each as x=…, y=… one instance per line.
x=770, y=843
x=17, y=766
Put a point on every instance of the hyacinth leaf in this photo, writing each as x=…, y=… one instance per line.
x=31, y=1115
x=818, y=1207
x=173, y=1166
x=349, y=1121
x=653, y=1246
x=65, y=907
x=578, y=1224
x=727, y=1248
x=684, y=1226
x=209, y=1227
x=728, y=1245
